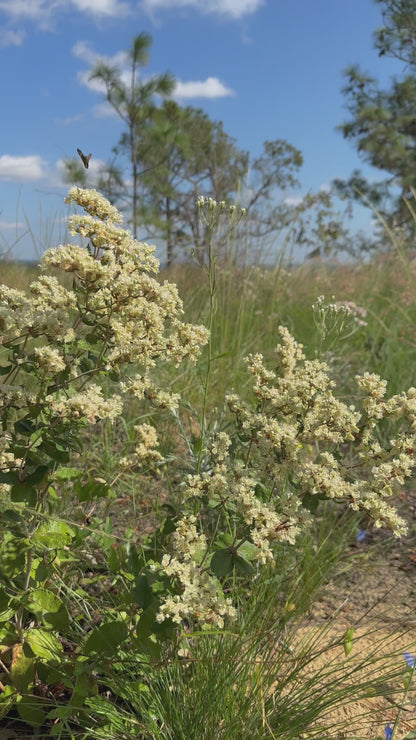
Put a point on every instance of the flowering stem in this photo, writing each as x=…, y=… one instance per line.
x=211, y=270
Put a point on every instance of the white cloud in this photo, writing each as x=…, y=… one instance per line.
x=325, y=187
x=109, y=8
x=21, y=169
x=34, y=10
x=43, y=13
x=212, y=87
x=104, y=110
x=69, y=120
x=82, y=50
x=231, y=8
x=292, y=200
x=11, y=38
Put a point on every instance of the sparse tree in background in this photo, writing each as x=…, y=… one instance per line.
x=270, y=174
x=184, y=155
x=176, y=154
x=74, y=172
x=134, y=103
x=382, y=126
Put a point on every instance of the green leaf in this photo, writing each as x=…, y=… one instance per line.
x=146, y=623
x=67, y=473
x=10, y=477
x=12, y=554
x=54, y=534
x=7, y=606
x=22, y=668
x=224, y=540
x=48, y=607
x=148, y=646
x=55, y=452
x=34, y=412
x=248, y=550
x=197, y=445
x=25, y=427
x=8, y=697
x=116, y=557
x=42, y=572
x=221, y=563
x=24, y=493
x=38, y=474
x=142, y=594
x=167, y=527
x=11, y=515
x=91, y=490
x=60, y=713
x=8, y=636
x=310, y=502
x=135, y=562
x=243, y=565
x=348, y=641
x=44, y=645
x=106, y=638
x=92, y=338
x=30, y=711
x=85, y=686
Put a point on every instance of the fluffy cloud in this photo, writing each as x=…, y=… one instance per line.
x=212, y=87
x=34, y=10
x=292, y=200
x=21, y=169
x=43, y=13
x=230, y=8
x=82, y=50
x=209, y=88
x=109, y=8
x=11, y=38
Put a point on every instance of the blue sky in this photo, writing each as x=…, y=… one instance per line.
x=267, y=68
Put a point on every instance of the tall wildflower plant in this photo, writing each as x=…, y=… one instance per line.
x=78, y=608
x=70, y=357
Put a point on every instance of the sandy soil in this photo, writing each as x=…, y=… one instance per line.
x=378, y=598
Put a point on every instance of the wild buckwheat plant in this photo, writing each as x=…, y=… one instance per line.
x=259, y=483
x=69, y=358
x=295, y=445
x=79, y=606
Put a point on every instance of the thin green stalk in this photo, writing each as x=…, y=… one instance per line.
x=19, y=614
x=211, y=271
x=403, y=702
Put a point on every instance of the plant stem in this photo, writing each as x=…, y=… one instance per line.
x=212, y=310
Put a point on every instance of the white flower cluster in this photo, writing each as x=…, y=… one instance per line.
x=59, y=345
x=88, y=404
x=200, y=595
x=299, y=441
x=212, y=206
x=145, y=453
x=346, y=308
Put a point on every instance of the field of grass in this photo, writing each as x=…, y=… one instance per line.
x=272, y=673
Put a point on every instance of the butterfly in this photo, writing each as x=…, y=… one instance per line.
x=85, y=159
